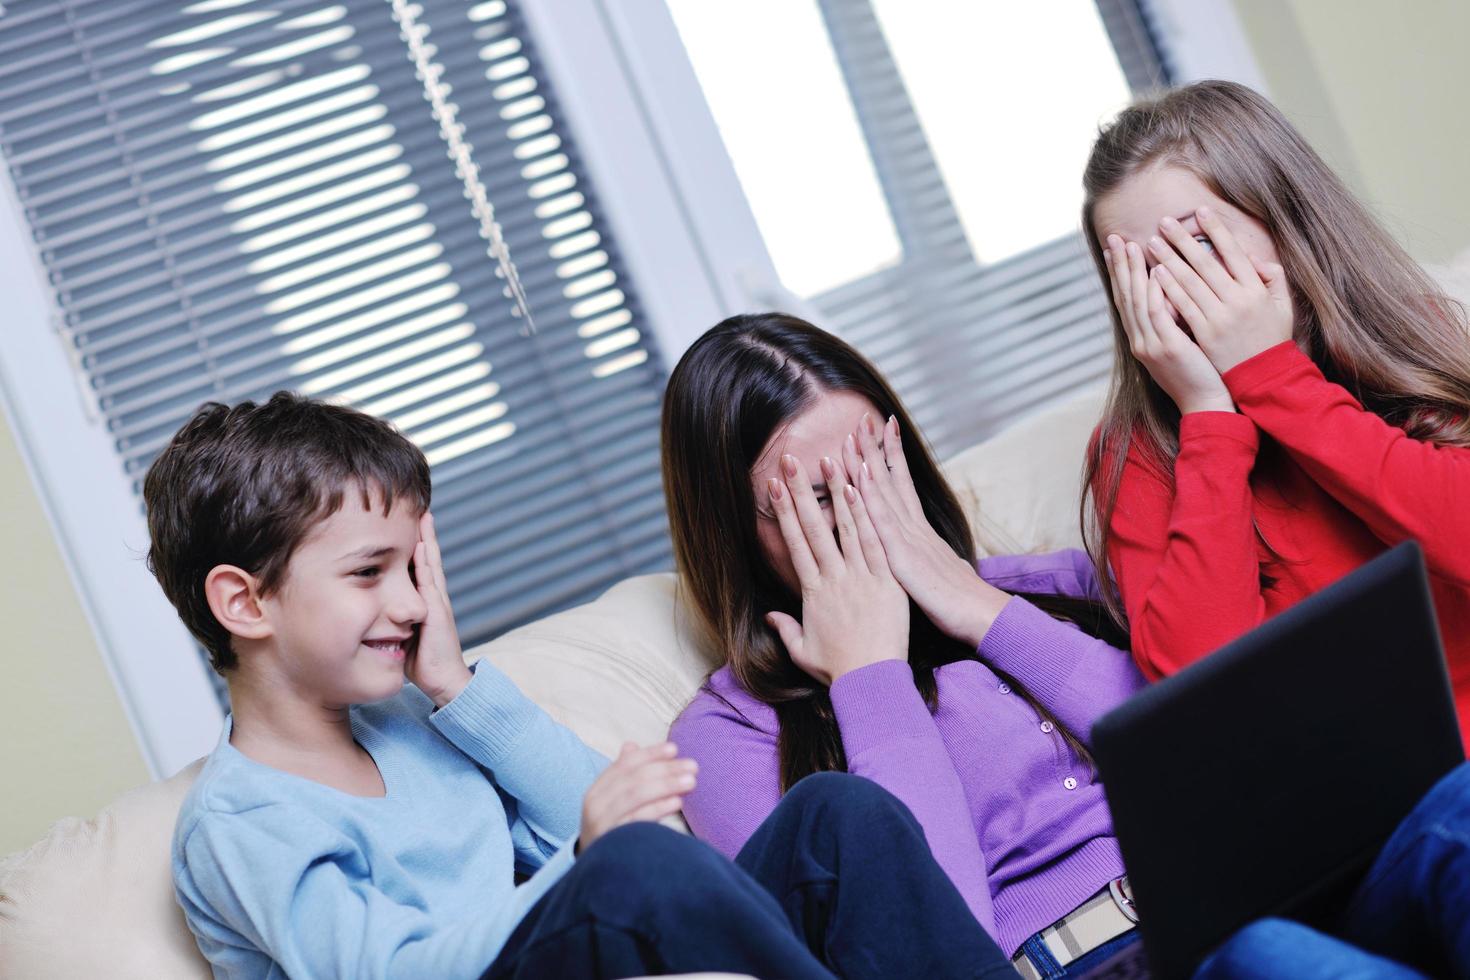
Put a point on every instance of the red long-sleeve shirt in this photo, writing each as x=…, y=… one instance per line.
x=1328, y=484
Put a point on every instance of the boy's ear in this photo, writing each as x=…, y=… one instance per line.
x=233, y=598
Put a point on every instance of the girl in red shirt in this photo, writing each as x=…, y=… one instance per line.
x=1291, y=393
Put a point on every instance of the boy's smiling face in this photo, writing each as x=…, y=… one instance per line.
x=347, y=611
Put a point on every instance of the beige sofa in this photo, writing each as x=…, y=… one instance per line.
x=93, y=898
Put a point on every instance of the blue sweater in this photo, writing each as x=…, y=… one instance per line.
x=282, y=876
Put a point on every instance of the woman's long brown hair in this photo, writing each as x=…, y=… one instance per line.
x=1366, y=312
x=730, y=391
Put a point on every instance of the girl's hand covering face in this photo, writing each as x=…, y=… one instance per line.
x=1235, y=305
x=1176, y=363
x=945, y=586
x=853, y=612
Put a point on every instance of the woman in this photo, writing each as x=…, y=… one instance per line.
x=876, y=649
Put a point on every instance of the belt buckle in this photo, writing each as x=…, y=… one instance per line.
x=1123, y=897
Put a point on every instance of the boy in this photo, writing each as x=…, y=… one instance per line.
x=348, y=825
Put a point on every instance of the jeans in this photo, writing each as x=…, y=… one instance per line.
x=1045, y=964
x=1410, y=916
x=838, y=879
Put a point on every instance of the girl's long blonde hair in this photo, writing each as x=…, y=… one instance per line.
x=1367, y=314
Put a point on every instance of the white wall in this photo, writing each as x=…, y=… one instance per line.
x=1379, y=89
x=65, y=744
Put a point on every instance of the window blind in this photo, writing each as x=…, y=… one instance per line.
x=231, y=197
x=970, y=348
x=1132, y=27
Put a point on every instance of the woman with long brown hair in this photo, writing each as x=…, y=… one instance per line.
x=1291, y=393
x=825, y=554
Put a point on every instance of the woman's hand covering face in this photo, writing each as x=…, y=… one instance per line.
x=853, y=612
x=944, y=585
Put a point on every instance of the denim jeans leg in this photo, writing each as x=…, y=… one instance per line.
x=1269, y=949
x=1414, y=904
x=850, y=866
x=647, y=900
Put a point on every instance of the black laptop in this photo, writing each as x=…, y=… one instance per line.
x=1264, y=779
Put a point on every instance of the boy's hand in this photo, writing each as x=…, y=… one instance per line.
x=435, y=662
x=641, y=784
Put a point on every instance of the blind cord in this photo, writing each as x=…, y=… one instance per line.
x=446, y=114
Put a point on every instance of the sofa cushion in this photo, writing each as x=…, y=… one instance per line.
x=1022, y=487
x=615, y=670
x=79, y=902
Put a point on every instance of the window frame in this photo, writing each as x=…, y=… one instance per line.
x=163, y=684
x=629, y=58
x=1204, y=39
x=688, y=236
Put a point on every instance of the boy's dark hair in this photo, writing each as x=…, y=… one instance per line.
x=244, y=485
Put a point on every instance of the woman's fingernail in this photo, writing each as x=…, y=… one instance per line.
x=893, y=421
x=867, y=473
x=828, y=470
x=788, y=464
x=1204, y=212
x=1168, y=222
x=850, y=492
x=868, y=424
x=773, y=487
x=851, y=442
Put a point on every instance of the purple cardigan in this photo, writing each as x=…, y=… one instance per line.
x=1012, y=815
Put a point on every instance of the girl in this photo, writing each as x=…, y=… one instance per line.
x=1291, y=396
x=1291, y=393
x=878, y=650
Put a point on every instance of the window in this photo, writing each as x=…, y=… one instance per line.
x=218, y=198
x=798, y=149
x=230, y=197
x=980, y=80
x=923, y=201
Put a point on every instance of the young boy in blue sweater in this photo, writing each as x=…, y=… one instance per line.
x=349, y=825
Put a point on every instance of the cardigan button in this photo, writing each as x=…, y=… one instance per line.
x=1047, y=727
x=1004, y=689
x=1069, y=783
